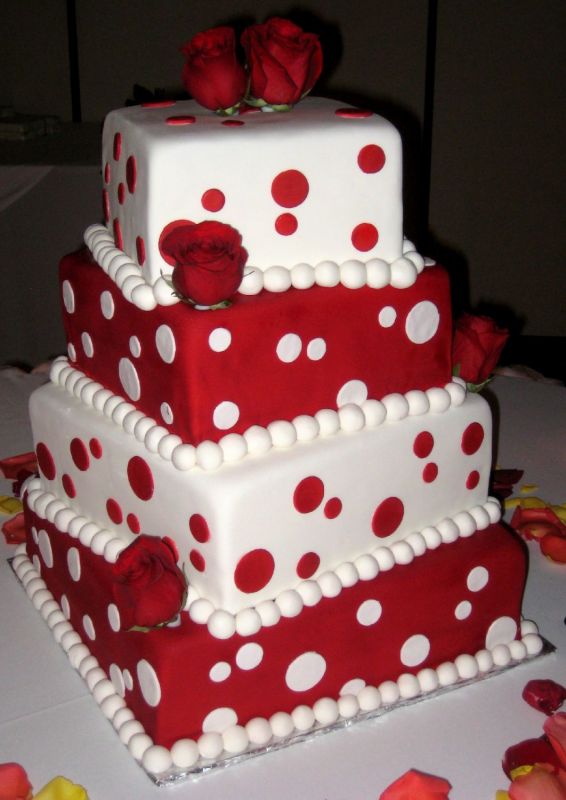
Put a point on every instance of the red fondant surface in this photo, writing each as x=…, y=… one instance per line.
x=416, y=600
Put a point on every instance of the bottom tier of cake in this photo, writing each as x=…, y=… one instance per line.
x=178, y=696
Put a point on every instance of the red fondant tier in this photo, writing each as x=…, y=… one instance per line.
x=203, y=374
x=449, y=601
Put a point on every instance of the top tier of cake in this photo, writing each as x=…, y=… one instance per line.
x=326, y=187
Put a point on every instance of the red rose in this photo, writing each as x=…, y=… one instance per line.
x=478, y=343
x=209, y=260
x=284, y=62
x=149, y=588
x=212, y=74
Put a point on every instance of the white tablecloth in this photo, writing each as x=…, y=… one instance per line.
x=51, y=725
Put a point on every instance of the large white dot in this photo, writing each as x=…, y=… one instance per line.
x=129, y=378
x=352, y=392
x=166, y=413
x=71, y=351
x=220, y=340
x=89, y=627
x=115, y=675
x=135, y=346
x=422, y=322
x=353, y=687
x=74, y=563
x=68, y=297
x=463, y=610
x=305, y=671
x=415, y=650
x=149, y=683
x=45, y=548
x=249, y=656
x=502, y=631
x=289, y=347
x=113, y=617
x=65, y=607
x=477, y=579
x=387, y=316
x=128, y=680
x=225, y=415
x=87, y=344
x=316, y=349
x=165, y=343
x=107, y=305
x=369, y=612
x=219, y=720
x=220, y=671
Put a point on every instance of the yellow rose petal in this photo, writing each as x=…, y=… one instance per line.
x=518, y=771
x=512, y=502
x=560, y=512
x=10, y=505
x=500, y=794
x=61, y=789
x=528, y=488
x=533, y=502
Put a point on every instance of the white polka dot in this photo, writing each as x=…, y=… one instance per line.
x=34, y=533
x=305, y=672
x=502, y=631
x=220, y=671
x=289, y=347
x=113, y=617
x=220, y=339
x=74, y=563
x=219, y=720
x=68, y=297
x=165, y=343
x=225, y=415
x=387, y=316
x=353, y=687
x=316, y=349
x=45, y=548
x=135, y=346
x=115, y=675
x=249, y=656
x=72, y=353
x=65, y=607
x=128, y=680
x=149, y=683
x=166, y=413
x=36, y=563
x=352, y=392
x=129, y=378
x=89, y=627
x=477, y=579
x=463, y=610
x=87, y=344
x=369, y=612
x=107, y=305
x=415, y=650
x=422, y=322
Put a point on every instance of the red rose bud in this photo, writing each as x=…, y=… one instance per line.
x=414, y=784
x=284, y=62
x=477, y=345
x=212, y=74
x=544, y=695
x=209, y=260
x=149, y=588
x=529, y=752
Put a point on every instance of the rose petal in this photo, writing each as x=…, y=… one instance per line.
x=555, y=729
x=14, y=530
x=539, y=784
x=61, y=789
x=544, y=695
x=528, y=752
x=9, y=467
x=554, y=547
x=414, y=784
x=14, y=782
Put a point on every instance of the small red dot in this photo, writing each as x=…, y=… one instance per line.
x=430, y=472
x=140, y=250
x=118, y=241
x=45, y=461
x=423, y=444
x=308, y=494
x=254, y=571
x=213, y=200
x=197, y=560
x=365, y=236
x=233, y=123
x=158, y=104
x=95, y=448
x=473, y=479
x=121, y=193
x=114, y=511
x=308, y=565
x=68, y=485
x=117, y=146
x=286, y=224
x=472, y=438
x=107, y=173
x=198, y=526
x=79, y=454
x=353, y=113
x=181, y=119
x=133, y=523
x=290, y=188
x=371, y=158
x=140, y=478
x=333, y=508
x=131, y=174
x=106, y=205
x=387, y=516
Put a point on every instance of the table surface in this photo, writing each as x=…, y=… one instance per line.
x=50, y=724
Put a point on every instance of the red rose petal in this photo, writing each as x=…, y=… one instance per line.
x=14, y=529
x=544, y=695
x=415, y=785
x=554, y=547
x=528, y=752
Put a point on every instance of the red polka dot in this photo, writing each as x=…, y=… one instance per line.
x=290, y=188
x=68, y=486
x=140, y=250
x=140, y=478
x=172, y=546
x=121, y=193
x=106, y=205
x=133, y=523
x=131, y=174
x=353, y=113
x=45, y=461
x=199, y=528
x=423, y=444
x=308, y=494
x=213, y=200
x=387, y=517
x=95, y=448
x=181, y=119
x=308, y=565
x=430, y=472
x=473, y=479
x=254, y=571
x=197, y=560
x=79, y=454
x=364, y=236
x=472, y=438
x=117, y=146
x=114, y=511
x=371, y=158
x=233, y=123
x=118, y=241
x=107, y=173
x=158, y=104
x=333, y=508
x=177, y=223
x=286, y=224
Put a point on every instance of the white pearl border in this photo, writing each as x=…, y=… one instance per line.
x=259, y=734
x=375, y=273
x=257, y=440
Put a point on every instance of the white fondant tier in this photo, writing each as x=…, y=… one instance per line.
x=247, y=532
x=327, y=184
